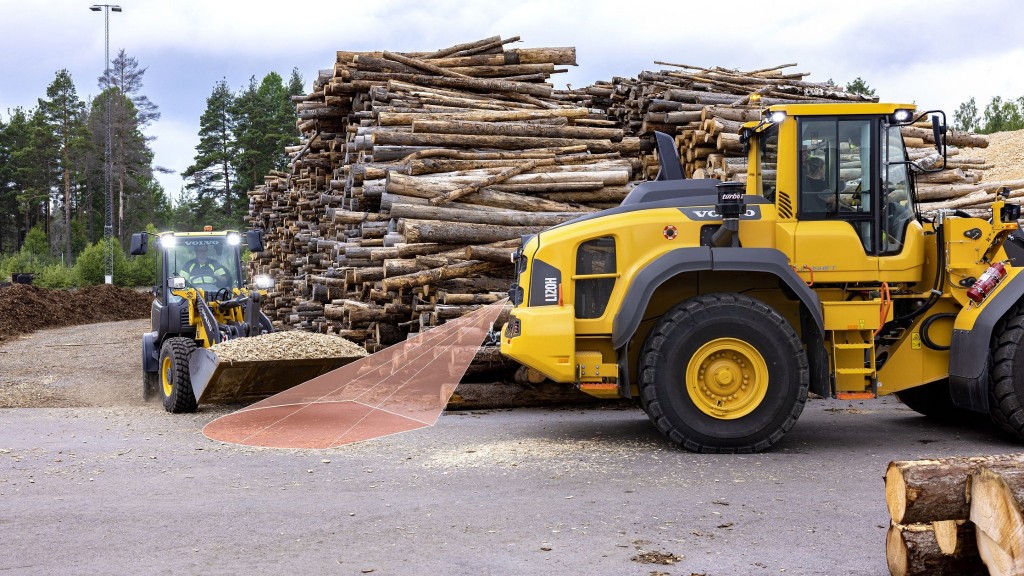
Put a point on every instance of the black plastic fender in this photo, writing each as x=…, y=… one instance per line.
x=969, y=349
x=702, y=258
x=150, y=352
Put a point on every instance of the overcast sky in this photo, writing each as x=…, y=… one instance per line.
x=937, y=53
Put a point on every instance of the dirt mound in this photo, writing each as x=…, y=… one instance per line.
x=25, y=308
x=1006, y=151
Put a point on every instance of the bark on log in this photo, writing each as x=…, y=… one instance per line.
x=502, y=218
x=912, y=550
x=930, y=490
x=463, y=233
x=438, y=274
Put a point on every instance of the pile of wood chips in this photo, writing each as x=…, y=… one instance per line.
x=286, y=345
x=956, y=516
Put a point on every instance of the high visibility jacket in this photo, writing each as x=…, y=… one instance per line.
x=208, y=273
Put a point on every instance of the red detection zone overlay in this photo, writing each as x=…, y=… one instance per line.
x=398, y=389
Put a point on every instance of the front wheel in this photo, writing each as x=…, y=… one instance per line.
x=723, y=373
x=1006, y=393
x=175, y=380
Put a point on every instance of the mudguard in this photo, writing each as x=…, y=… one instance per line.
x=704, y=258
x=969, y=348
x=150, y=352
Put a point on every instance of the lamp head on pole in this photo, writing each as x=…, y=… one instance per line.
x=95, y=8
x=115, y=8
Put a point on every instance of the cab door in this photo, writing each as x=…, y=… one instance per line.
x=835, y=237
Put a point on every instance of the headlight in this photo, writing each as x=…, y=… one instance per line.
x=264, y=282
x=168, y=241
x=901, y=115
x=234, y=239
x=176, y=282
x=777, y=117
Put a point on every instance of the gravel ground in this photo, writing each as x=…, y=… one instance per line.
x=116, y=486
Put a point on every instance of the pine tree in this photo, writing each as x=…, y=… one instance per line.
x=64, y=115
x=130, y=112
x=212, y=173
x=859, y=86
x=265, y=124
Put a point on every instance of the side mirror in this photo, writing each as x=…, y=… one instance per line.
x=140, y=244
x=938, y=132
x=254, y=239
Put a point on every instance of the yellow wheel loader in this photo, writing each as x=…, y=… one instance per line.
x=719, y=305
x=203, y=301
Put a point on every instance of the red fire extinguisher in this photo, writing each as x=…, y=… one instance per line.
x=986, y=282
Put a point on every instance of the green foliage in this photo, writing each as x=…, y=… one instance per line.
x=20, y=262
x=90, y=268
x=966, y=117
x=212, y=174
x=859, y=86
x=56, y=276
x=1002, y=115
x=36, y=244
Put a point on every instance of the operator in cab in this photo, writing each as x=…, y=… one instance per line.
x=205, y=271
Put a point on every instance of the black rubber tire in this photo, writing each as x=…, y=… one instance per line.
x=181, y=399
x=266, y=326
x=681, y=332
x=150, y=385
x=1006, y=359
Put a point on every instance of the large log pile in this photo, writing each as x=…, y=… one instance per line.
x=956, y=516
x=417, y=175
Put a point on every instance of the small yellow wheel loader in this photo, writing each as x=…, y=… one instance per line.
x=719, y=305
x=200, y=302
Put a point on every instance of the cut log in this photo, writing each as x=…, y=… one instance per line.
x=996, y=514
x=912, y=550
x=930, y=490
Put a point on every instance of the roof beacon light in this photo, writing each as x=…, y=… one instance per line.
x=207, y=228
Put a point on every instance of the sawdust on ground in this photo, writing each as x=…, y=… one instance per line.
x=1005, y=152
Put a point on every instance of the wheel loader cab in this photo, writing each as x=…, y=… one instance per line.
x=842, y=188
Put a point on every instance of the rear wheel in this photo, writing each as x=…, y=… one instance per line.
x=175, y=382
x=723, y=373
x=150, y=383
x=1006, y=393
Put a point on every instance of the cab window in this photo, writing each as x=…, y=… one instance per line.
x=898, y=206
x=835, y=173
x=595, y=276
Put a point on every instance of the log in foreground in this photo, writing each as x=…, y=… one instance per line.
x=929, y=490
x=996, y=514
x=912, y=550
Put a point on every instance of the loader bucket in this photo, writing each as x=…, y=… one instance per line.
x=216, y=381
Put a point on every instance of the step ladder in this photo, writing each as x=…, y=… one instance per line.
x=851, y=326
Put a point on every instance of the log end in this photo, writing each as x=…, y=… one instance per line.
x=895, y=492
x=896, y=551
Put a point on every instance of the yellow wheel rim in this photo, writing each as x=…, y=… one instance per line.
x=727, y=378
x=165, y=376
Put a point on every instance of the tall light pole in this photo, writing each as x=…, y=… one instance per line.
x=108, y=218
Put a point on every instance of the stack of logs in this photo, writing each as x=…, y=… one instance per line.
x=418, y=174
x=956, y=516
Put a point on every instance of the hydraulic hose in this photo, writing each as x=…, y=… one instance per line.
x=940, y=272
